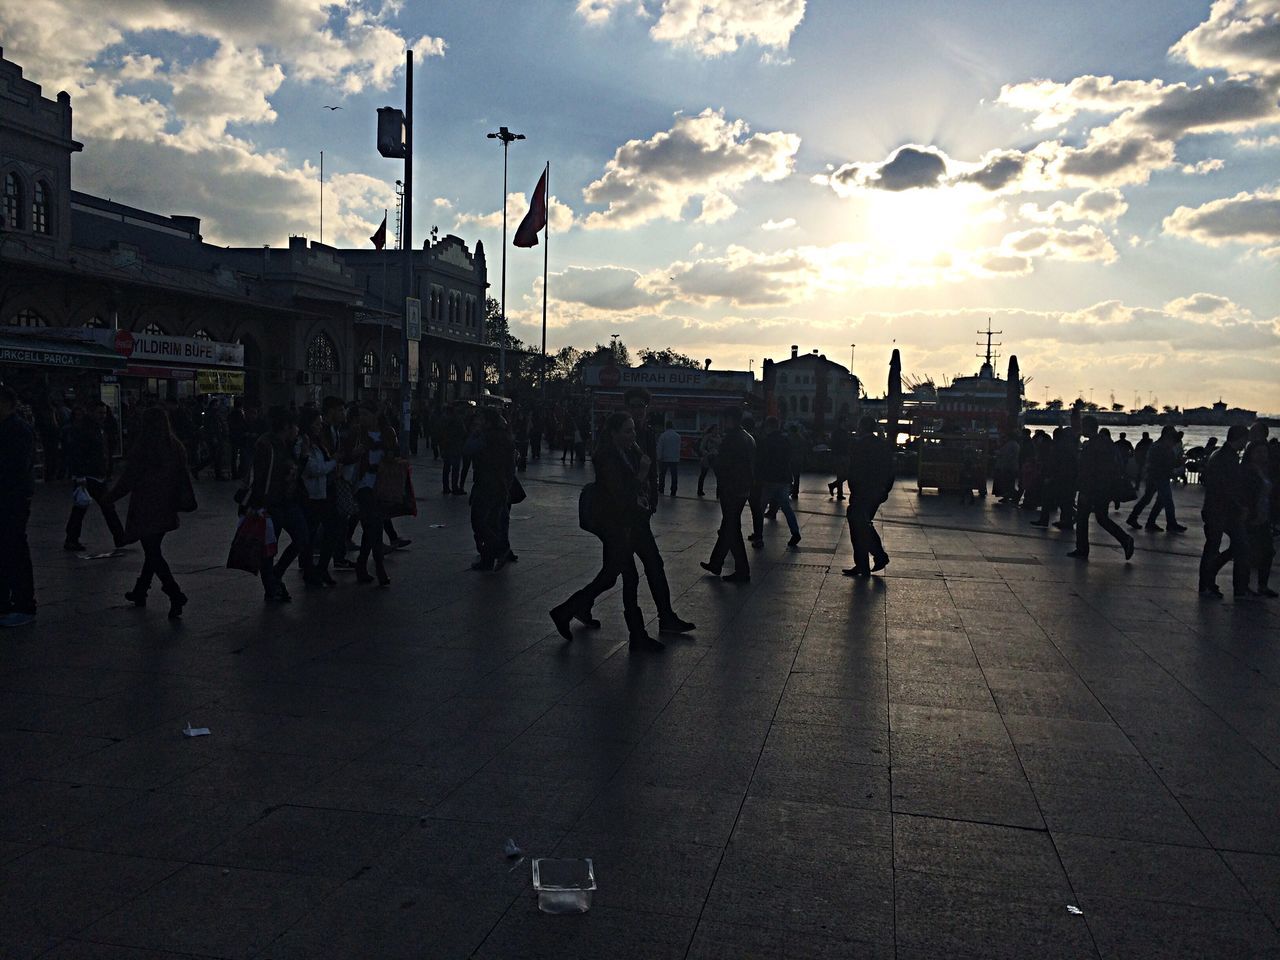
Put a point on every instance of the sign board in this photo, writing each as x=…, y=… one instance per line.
x=391, y=132
x=413, y=361
x=413, y=318
x=45, y=355
x=220, y=381
x=154, y=348
x=653, y=377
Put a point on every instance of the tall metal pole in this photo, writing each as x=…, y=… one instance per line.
x=322, y=196
x=407, y=245
x=502, y=345
x=546, y=242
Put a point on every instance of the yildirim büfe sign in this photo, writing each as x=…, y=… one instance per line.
x=187, y=351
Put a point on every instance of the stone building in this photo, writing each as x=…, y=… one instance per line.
x=101, y=298
x=810, y=389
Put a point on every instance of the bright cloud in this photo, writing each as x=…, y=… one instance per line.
x=1096, y=206
x=1240, y=36
x=704, y=157
x=710, y=28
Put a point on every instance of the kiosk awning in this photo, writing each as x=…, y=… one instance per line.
x=36, y=350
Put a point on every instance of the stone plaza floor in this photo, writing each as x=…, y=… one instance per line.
x=992, y=751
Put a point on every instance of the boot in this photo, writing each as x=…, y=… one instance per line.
x=638, y=636
x=177, y=600
x=561, y=616
x=138, y=595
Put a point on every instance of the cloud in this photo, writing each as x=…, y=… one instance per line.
x=1055, y=103
x=1202, y=305
x=709, y=28
x=772, y=225
x=1084, y=244
x=743, y=277
x=158, y=125
x=909, y=167
x=1252, y=218
x=1238, y=103
x=1095, y=206
x=704, y=157
x=715, y=27
x=603, y=288
x=1212, y=165
x=1240, y=36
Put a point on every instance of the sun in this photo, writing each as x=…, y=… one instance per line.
x=913, y=236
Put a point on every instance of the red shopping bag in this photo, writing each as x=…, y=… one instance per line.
x=248, y=546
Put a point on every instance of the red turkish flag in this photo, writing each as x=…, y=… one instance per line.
x=536, y=219
x=380, y=237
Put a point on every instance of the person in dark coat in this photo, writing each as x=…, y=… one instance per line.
x=492, y=452
x=773, y=468
x=158, y=484
x=1098, y=475
x=871, y=474
x=1259, y=488
x=840, y=440
x=453, y=434
x=1061, y=482
x=621, y=504
x=88, y=459
x=735, y=475
x=17, y=487
x=1159, y=460
x=1224, y=512
x=276, y=489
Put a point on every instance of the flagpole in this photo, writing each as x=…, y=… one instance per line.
x=382, y=325
x=322, y=196
x=546, y=242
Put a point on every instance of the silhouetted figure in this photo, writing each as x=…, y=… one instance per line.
x=871, y=473
x=735, y=470
x=1160, y=461
x=1099, y=477
x=1259, y=489
x=1224, y=512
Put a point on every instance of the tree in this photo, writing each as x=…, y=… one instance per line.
x=1031, y=404
x=1054, y=404
x=1117, y=408
x=521, y=368
x=667, y=357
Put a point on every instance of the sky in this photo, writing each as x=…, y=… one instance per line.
x=731, y=177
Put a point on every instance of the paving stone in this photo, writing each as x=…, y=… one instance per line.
x=526, y=934
x=985, y=799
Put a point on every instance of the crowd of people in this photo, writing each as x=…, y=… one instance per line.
x=313, y=476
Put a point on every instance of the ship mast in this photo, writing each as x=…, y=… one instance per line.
x=989, y=358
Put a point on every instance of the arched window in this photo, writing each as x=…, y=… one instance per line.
x=453, y=373
x=369, y=364
x=322, y=355
x=469, y=374
x=27, y=318
x=155, y=330
x=202, y=334
x=435, y=371
x=795, y=403
x=804, y=404
x=40, y=207
x=393, y=366
x=11, y=218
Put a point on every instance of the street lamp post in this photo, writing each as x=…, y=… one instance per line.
x=506, y=136
x=852, y=348
x=613, y=346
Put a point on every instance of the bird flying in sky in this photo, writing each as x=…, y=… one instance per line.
x=327, y=107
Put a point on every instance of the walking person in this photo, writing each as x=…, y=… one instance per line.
x=493, y=454
x=1005, y=469
x=1259, y=492
x=1060, y=484
x=1159, y=460
x=88, y=459
x=871, y=475
x=158, y=484
x=276, y=490
x=319, y=465
x=840, y=457
x=799, y=446
x=453, y=434
x=668, y=446
x=708, y=447
x=773, y=465
x=17, y=487
x=1098, y=477
x=622, y=509
x=1224, y=512
x=735, y=472
x=370, y=443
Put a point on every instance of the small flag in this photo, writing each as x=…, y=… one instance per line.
x=380, y=237
x=536, y=218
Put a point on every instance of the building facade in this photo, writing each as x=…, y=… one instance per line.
x=811, y=390
x=285, y=324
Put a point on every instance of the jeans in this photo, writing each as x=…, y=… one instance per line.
x=75, y=523
x=449, y=471
x=287, y=517
x=665, y=467
x=777, y=494
x=155, y=565
x=702, y=479
x=371, y=520
x=1095, y=504
x=618, y=560
x=1213, y=559
x=729, y=537
x=862, y=532
x=17, y=580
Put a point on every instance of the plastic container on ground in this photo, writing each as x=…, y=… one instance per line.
x=563, y=886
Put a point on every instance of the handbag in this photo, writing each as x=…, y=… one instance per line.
x=248, y=546
x=185, y=494
x=389, y=484
x=517, y=491
x=408, y=505
x=344, y=498
x=1125, y=490
x=80, y=496
x=589, y=509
